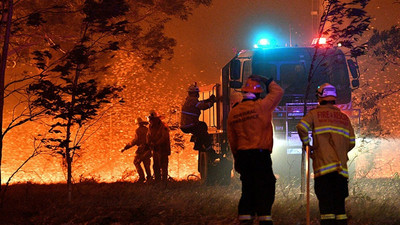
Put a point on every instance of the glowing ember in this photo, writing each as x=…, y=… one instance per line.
x=100, y=159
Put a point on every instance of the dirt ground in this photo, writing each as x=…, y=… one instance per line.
x=184, y=202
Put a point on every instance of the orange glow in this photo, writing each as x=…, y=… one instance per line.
x=99, y=158
x=377, y=158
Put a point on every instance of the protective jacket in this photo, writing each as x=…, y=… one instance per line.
x=139, y=140
x=158, y=137
x=191, y=110
x=332, y=136
x=249, y=123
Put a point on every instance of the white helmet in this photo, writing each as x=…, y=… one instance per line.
x=326, y=92
x=193, y=88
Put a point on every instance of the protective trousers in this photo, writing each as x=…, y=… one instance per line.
x=331, y=190
x=258, y=185
x=145, y=158
x=160, y=166
x=200, y=132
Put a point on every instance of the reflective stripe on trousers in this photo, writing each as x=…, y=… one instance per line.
x=341, y=217
x=328, y=216
x=245, y=217
x=265, y=218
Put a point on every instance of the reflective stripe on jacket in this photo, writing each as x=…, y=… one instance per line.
x=249, y=123
x=333, y=137
x=191, y=110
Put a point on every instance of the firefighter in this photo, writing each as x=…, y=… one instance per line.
x=250, y=136
x=190, y=123
x=332, y=137
x=159, y=141
x=143, y=153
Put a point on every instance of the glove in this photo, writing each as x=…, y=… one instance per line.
x=262, y=79
x=212, y=98
x=311, y=150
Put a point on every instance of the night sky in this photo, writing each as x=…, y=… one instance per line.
x=209, y=39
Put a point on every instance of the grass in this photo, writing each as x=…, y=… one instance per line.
x=184, y=202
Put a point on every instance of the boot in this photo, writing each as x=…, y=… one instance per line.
x=328, y=222
x=246, y=222
x=149, y=179
x=341, y=222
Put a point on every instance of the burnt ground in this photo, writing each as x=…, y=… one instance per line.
x=185, y=202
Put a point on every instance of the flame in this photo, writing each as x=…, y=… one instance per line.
x=99, y=158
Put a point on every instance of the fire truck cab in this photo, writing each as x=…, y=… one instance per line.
x=289, y=67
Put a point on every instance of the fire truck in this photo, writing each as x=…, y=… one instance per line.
x=289, y=67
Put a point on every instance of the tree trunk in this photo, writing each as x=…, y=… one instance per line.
x=69, y=157
x=3, y=72
x=69, y=175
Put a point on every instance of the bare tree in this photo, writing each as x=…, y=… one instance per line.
x=71, y=90
x=341, y=23
x=6, y=6
x=14, y=40
x=37, y=149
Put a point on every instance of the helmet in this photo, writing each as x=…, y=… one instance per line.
x=326, y=92
x=193, y=88
x=152, y=114
x=139, y=120
x=252, y=86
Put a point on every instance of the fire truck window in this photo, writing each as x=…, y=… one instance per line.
x=246, y=70
x=265, y=69
x=293, y=78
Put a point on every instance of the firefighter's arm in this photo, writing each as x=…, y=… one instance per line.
x=130, y=144
x=206, y=104
x=303, y=127
x=352, y=137
x=274, y=96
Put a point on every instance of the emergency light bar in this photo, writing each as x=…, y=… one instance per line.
x=322, y=41
x=262, y=43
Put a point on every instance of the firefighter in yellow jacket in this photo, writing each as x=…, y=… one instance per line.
x=143, y=152
x=250, y=136
x=332, y=138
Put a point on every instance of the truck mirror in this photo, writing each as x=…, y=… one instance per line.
x=355, y=83
x=235, y=84
x=235, y=70
x=353, y=69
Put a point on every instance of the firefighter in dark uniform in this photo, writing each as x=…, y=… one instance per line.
x=250, y=136
x=159, y=141
x=143, y=153
x=190, y=123
x=332, y=137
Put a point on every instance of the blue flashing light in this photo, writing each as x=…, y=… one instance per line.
x=264, y=42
